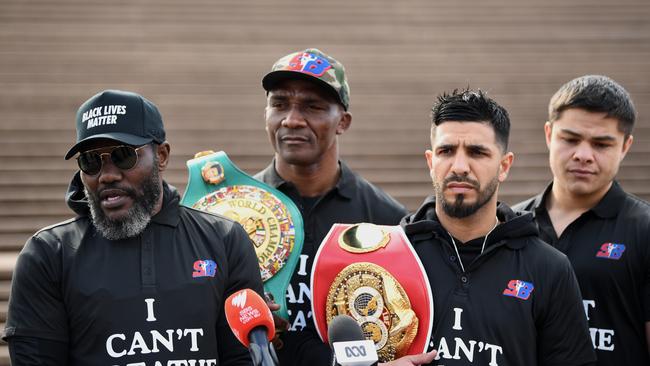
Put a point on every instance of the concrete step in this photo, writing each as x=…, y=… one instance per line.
x=7, y=263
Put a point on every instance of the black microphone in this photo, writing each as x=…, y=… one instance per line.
x=349, y=346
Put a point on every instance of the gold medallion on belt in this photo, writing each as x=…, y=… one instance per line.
x=373, y=297
x=264, y=217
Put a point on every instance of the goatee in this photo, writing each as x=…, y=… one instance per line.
x=137, y=217
x=457, y=208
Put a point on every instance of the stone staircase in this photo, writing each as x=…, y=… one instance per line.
x=201, y=62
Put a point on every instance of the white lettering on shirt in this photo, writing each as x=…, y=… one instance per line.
x=457, y=313
x=601, y=338
x=302, y=268
x=155, y=341
x=469, y=350
x=150, y=316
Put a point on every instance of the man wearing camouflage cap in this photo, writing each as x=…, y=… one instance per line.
x=308, y=100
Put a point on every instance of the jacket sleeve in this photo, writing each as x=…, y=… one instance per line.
x=36, y=314
x=30, y=351
x=563, y=334
x=243, y=272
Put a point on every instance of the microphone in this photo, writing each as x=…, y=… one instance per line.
x=251, y=321
x=350, y=346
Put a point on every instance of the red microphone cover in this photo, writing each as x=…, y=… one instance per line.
x=246, y=310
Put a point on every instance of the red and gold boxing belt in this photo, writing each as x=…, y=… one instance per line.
x=372, y=273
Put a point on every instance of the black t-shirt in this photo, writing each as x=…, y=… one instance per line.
x=153, y=299
x=609, y=248
x=515, y=304
x=352, y=200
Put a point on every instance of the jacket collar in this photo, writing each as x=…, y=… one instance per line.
x=169, y=213
x=514, y=231
x=345, y=185
x=607, y=207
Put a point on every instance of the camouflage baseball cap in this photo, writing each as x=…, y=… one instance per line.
x=314, y=65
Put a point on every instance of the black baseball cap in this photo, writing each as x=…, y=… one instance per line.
x=118, y=115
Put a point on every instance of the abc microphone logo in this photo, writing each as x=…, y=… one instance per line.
x=239, y=300
x=355, y=353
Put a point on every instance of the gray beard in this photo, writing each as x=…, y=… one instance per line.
x=458, y=208
x=137, y=217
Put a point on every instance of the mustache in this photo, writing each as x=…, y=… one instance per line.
x=129, y=191
x=455, y=178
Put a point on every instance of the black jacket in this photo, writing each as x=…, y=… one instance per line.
x=517, y=303
x=141, y=299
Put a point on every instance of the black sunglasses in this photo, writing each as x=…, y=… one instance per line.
x=123, y=157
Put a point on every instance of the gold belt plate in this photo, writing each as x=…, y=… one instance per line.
x=265, y=218
x=372, y=296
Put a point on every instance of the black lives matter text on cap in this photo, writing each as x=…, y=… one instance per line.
x=118, y=115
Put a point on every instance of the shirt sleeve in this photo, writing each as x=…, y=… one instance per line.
x=36, y=307
x=563, y=334
x=243, y=273
x=28, y=351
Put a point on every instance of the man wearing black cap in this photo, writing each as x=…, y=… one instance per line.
x=307, y=108
x=135, y=278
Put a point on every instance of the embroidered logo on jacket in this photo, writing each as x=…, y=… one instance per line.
x=309, y=63
x=204, y=268
x=519, y=289
x=611, y=251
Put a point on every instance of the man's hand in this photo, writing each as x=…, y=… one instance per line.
x=281, y=324
x=412, y=360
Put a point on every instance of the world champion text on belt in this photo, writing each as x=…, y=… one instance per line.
x=271, y=220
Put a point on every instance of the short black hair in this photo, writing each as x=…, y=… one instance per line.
x=595, y=93
x=472, y=106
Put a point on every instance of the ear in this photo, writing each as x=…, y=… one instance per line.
x=504, y=165
x=344, y=123
x=548, y=130
x=428, y=154
x=626, y=146
x=163, y=155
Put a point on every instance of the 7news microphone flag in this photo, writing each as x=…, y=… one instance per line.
x=251, y=322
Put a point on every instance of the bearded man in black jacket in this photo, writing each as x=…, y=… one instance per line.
x=501, y=295
x=135, y=278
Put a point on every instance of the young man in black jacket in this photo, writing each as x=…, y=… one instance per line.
x=501, y=295
x=587, y=215
x=135, y=278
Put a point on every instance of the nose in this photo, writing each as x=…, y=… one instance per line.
x=583, y=153
x=460, y=165
x=109, y=172
x=294, y=118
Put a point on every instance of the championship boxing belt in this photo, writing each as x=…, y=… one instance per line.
x=271, y=219
x=372, y=273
